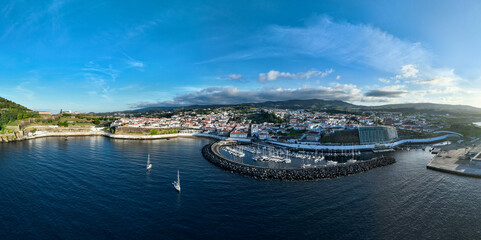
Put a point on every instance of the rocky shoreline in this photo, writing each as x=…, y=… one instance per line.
x=212, y=154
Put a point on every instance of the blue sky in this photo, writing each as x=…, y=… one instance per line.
x=118, y=55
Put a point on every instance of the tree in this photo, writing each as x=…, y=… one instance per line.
x=154, y=132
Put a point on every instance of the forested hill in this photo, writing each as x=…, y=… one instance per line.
x=6, y=104
x=11, y=111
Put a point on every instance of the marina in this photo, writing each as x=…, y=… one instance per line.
x=280, y=157
x=331, y=169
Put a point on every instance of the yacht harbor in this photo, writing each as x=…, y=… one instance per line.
x=215, y=153
x=281, y=157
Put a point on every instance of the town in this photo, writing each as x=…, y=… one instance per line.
x=282, y=125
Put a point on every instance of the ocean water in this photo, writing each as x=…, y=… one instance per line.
x=97, y=188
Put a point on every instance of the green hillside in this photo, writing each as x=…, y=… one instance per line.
x=11, y=112
x=428, y=108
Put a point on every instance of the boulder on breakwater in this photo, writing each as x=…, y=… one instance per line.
x=212, y=154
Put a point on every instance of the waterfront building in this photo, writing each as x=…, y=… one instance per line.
x=377, y=134
x=313, y=136
x=238, y=134
x=263, y=135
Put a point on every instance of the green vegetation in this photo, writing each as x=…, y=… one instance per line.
x=62, y=124
x=291, y=133
x=468, y=130
x=406, y=134
x=6, y=131
x=264, y=116
x=169, y=131
x=11, y=112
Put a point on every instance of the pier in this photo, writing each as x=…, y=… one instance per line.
x=459, y=160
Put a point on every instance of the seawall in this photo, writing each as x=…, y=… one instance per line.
x=212, y=154
x=364, y=147
x=114, y=136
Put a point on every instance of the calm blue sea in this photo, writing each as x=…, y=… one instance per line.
x=97, y=188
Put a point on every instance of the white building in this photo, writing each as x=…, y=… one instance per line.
x=254, y=130
x=263, y=135
x=238, y=134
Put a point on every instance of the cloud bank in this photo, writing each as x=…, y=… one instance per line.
x=274, y=75
x=232, y=95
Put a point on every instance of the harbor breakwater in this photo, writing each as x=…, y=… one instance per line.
x=212, y=154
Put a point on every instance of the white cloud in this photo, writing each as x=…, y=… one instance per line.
x=438, y=81
x=137, y=64
x=23, y=90
x=96, y=69
x=273, y=75
x=235, y=76
x=393, y=88
x=99, y=80
x=336, y=41
x=134, y=63
x=338, y=77
x=383, y=80
x=408, y=71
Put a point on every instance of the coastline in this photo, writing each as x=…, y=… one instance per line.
x=216, y=137
x=115, y=136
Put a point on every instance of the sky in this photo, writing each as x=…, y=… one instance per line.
x=98, y=56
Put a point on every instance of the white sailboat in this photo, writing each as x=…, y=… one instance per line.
x=177, y=183
x=149, y=165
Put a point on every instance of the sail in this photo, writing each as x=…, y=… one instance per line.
x=178, y=178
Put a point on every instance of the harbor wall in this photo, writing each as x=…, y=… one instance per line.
x=363, y=147
x=109, y=135
x=212, y=154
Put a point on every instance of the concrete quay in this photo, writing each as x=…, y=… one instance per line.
x=457, y=161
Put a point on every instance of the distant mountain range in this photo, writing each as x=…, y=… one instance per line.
x=337, y=105
x=10, y=109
